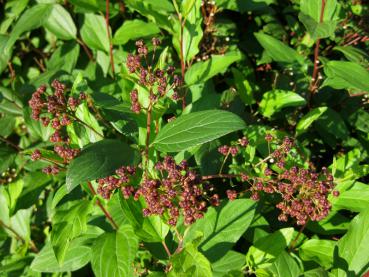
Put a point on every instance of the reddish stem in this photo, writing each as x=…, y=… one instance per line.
x=109, y=38
x=216, y=176
x=106, y=213
x=313, y=84
x=85, y=48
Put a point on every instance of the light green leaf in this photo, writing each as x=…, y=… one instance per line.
x=98, y=160
x=196, y=128
x=355, y=199
x=60, y=23
x=346, y=75
x=353, y=246
x=186, y=7
x=232, y=260
x=94, y=33
x=134, y=29
x=148, y=229
x=68, y=224
x=319, y=251
x=222, y=227
x=308, y=119
x=113, y=253
x=285, y=266
x=275, y=100
x=202, y=71
x=310, y=17
x=279, y=51
x=266, y=250
x=77, y=256
x=192, y=31
x=64, y=58
x=190, y=262
x=354, y=54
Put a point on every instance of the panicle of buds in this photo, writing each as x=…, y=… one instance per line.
x=158, y=81
x=56, y=110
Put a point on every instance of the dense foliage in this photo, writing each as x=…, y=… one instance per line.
x=184, y=138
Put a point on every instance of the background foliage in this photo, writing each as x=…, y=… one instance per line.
x=295, y=68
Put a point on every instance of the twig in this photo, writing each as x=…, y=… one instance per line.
x=224, y=161
x=166, y=248
x=109, y=38
x=87, y=126
x=217, y=176
x=10, y=143
x=297, y=237
x=106, y=213
x=148, y=131
x=85, y=48
x=12, y=72
x=18, y=237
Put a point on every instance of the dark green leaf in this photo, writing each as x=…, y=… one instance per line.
x=195, y=129
x=277, y=50
x=98, y=160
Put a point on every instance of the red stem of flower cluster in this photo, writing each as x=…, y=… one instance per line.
x=101, y=206
x=109, y=38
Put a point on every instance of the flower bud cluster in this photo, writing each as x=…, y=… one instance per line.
x=157, y=81
x=303, y=192
x=58, y=111
x=120, y=181
x=225, y=150
x=179, y=191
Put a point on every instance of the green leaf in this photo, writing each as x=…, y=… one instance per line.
x=353, y=247
x=354, y=54
x=190, y=262
x=266, y=250
x=319, y=251
x=275, y=100
x=308, y=119
x=68, y=224
x=330, y=124
x=346, y=75
x=310, y=17
x=7, y=156
x=148, y=229
x=186, y=7
x=355, y=199
x=98, y=160
x=61, y=24
x=279, y=51
x=134, y=29
x=34, y=183
x=94, y=33
x=232, y=260
x=285, y=266
x=202, y=71
x=222, y=227
x=243, y=87
x=77, y=256
x=32, y=18
x=196, y=128
x=192, y=30
x=113, y=253
x=64, y=58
